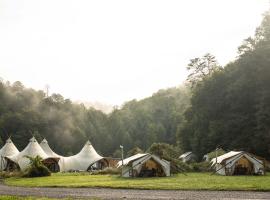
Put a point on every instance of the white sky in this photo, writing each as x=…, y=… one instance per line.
x=115, y=51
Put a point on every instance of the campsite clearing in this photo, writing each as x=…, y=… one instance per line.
x=193, y=181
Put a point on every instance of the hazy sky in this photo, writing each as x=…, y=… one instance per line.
x=114, y=51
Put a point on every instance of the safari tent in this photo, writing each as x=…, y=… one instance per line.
x=9, y=149
x=33, y=149
x=144, y=165
x=239, y=163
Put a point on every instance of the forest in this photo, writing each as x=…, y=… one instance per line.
x=218, y=106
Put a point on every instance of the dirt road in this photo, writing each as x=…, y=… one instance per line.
x=105, y=193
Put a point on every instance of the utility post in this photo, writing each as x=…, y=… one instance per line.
x=216, y=155
x=1, y=163
x=122, y=157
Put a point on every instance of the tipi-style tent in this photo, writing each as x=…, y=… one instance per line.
x=47, y=149
x=144, y=164
x=9, y=149
x=33, y=149
x=84, y=160
x=238, y=163
x=50, y=153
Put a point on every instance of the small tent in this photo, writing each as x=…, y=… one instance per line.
x=238, y=163
x=9, y=149
x=33, y=149
x=144, y=165
x=187, y=157
x=85, y=160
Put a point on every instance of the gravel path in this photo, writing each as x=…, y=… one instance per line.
x=104, y=193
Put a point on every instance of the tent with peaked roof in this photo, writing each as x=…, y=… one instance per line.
x=144, y=164
x=47, y=149
x=238, y=163
x=82, y=161
x=9, y=149
x=33, y=149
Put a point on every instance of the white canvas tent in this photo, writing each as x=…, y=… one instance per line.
x=33, y=149
x=81, y=161
x=86, y=158
x=9, y=149
x=50, y=153
x=144, y=165
x=238, y=163
x=47, y=149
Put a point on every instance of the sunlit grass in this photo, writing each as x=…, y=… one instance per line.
x=193, y=181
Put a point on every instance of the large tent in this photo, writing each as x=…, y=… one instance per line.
x=33, y=149
x=47, y=149
x=238, y=163
x=83, y=161
x=86, y=159
x=9, y=149
x=144, y=164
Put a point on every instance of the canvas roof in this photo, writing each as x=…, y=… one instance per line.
x=126, y=161
x=47, y=149
x=81, y=161
x=8, y=149
x=226, y=156
x=33, y=149
x=185, y=154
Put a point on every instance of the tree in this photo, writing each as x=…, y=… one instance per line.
x=134, y=151
x=201, y=68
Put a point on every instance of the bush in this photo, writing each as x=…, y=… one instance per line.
x=201, y=167
x=36, y=168
x=37, y=171
x=6, y=174
x=107, y=170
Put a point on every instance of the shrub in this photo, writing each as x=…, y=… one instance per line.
x=7, y=174
x=107, y=170
x=36, y=168
x=201, y=167
x=37, y=171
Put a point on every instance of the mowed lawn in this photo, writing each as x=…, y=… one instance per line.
x=193, y=181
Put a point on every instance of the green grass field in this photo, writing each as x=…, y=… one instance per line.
x=193, y=181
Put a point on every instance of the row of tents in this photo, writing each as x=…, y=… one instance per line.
x=233, y=163
x=143, y=164
x=87, y=159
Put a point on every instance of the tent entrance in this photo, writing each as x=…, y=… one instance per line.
x=52, y=164
x=12, y=166
x=99, y=165
x=243, y=167
x=151, y=168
